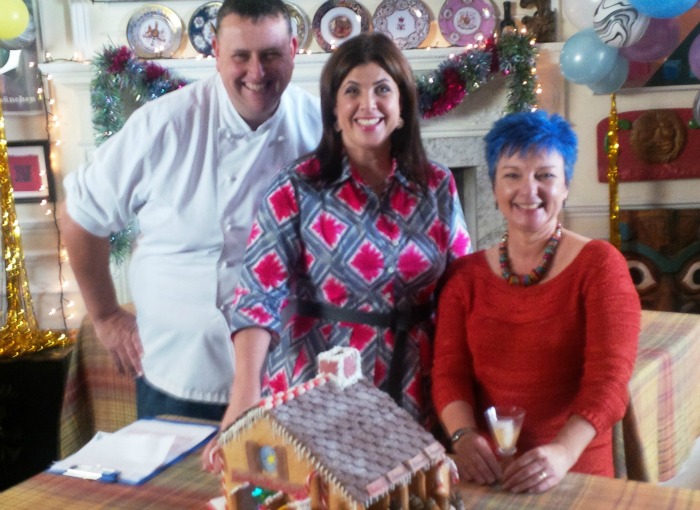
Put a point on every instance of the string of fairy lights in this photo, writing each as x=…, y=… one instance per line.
x=117, y=71
x=52, y=125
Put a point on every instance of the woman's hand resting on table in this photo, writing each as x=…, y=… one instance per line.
x=537, y=470
x=475, y=460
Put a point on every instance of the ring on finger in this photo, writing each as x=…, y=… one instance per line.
x=543, y=476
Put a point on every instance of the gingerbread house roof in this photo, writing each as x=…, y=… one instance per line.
x=356, y=437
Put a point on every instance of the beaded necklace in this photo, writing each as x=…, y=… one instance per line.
x=536, y=274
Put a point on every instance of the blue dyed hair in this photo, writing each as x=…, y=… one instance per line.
x=524, y=132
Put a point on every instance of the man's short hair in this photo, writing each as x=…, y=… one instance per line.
x=255, y=10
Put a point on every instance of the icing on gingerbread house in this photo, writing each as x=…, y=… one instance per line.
x=336, y=442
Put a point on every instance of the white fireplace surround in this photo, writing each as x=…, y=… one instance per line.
x=454, y=139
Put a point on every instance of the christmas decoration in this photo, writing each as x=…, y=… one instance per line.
x=513, y=55
x=20, y=334
x=122, y=83
x=613, y=148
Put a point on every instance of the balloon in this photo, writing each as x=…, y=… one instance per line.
x=14, y=19
x=619, y=24
x=24, y=40
x=659, y=40
x=663, y=8
x=580, y=12
x=614, y=79
x=694, y=57
x=585, y=58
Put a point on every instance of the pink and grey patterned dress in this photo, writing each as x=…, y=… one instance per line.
x=341, y=244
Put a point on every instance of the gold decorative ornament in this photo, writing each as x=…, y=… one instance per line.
x=613, y=149
x=20, y=334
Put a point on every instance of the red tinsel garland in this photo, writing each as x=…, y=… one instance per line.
x=452, y=95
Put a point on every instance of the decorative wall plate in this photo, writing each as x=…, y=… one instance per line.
x=407, y=22
x=155, y=31
x=300, y=23
x=336, y=21
x=202, y=27
x=464, y=22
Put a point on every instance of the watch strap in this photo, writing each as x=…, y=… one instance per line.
x=461, y=432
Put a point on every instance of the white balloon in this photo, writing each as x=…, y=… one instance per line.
x=618, y=24
x=580, y=12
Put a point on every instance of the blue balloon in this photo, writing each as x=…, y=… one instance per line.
x=663, y=8
x=585, y=58
x=614, y=79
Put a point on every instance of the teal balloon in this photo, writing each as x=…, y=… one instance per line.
x=585, y=58
x=614, y=79
x=4, y=56
x=663, y=8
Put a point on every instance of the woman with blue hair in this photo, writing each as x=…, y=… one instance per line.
x=547, y=320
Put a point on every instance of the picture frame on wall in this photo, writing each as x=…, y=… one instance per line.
x=30, y=171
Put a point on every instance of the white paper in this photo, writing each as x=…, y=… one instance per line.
x=137, y=450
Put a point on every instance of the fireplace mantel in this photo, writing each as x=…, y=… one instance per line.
x=453, y=139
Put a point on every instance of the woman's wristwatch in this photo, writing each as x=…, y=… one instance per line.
x=461, y=432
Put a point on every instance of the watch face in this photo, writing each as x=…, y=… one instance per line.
x=154, y=31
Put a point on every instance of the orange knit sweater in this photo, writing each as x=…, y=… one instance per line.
x=566, y=346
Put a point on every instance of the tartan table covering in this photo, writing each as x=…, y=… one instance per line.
x=185, y=486
x=663, y=418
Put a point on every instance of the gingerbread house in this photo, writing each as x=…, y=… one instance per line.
x=336, y=442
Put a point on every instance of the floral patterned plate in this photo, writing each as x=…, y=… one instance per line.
x=407, y=22
x=464, y=22
x=202, y=27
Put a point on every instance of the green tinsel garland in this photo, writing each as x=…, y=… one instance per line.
x=122, y=83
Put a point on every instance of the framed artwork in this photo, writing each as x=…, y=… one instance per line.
x=30, y=171
x=672, y=37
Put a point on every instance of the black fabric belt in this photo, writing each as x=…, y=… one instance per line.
x=400, y=322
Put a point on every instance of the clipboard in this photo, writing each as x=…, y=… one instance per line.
x=135, y=453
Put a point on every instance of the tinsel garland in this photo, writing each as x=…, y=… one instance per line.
x=613, y=149
x=20, y=333
x=122, y=83
x=513, y=56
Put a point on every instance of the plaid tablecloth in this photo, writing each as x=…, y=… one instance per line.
x=584, y=492
x=181, y=486
x=185, y=485
x=663, y=419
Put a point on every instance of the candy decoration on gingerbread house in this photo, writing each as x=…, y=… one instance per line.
x=335, y=442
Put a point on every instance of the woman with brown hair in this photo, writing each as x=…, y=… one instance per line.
x=356, y=236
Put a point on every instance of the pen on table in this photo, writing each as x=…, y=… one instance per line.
x=92, y=473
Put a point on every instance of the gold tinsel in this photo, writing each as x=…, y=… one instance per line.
x=20, y=334
x=613, y=148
